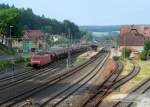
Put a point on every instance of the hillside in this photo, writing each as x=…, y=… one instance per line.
x=101, y=28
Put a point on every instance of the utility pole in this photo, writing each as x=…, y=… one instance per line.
x=45, y=37
x=69, y=54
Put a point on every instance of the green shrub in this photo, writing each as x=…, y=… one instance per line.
x=19, y=60
x=27, y=57
x=28, y=64
x=143, y=55
x=7, y=63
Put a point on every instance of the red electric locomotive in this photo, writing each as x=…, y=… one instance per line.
x=44, y=58
x=41, y=59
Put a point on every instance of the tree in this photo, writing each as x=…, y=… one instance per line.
x=87, y=36
x=31, y=21
x=147, y=48
x=74, y=29
x=4, y=6
x=10, y=17
x=147, y=45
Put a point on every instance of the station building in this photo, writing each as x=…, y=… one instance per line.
x=133, y=37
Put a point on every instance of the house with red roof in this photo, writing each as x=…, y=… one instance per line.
x=33, y=39
x=34, y=34
x=133, y=37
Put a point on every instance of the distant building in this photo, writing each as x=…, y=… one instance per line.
x=17, y=44
x=34, y=35
x=133, y=37
x=55, y=37
x=33, y=39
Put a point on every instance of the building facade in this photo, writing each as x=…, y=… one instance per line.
x=133, y=37
x=33, y=40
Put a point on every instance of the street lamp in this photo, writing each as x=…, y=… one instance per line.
x=10, y=30
x=10, y=35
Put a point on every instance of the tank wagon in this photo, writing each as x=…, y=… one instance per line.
x=44, y=58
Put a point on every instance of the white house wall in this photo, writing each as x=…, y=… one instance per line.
x=137, y=48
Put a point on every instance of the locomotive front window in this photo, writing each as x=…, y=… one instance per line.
x=35, y=58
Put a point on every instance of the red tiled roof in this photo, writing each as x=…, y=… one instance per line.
x=33, y=34
x=131, y=40
x=133, y=35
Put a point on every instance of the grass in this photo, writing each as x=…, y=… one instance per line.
x=145, y=70
x=79, y=60
x=6, y=63
x=127, y=67
x=143, y=74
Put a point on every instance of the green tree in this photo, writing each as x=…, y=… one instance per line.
x=147, y=48
x=31, y=21
x=10, y=17
x=87, y=36
x=147, y=45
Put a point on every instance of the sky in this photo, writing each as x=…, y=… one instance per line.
x=90, y=12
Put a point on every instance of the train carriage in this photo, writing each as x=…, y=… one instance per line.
x=44, y=58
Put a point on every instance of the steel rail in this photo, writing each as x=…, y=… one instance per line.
x=101, y=63
x=26, y=94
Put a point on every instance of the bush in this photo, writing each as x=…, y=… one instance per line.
x=27, y=57
x=143, y=55
x=28, y=64
x=7, y=63
x=19, y=60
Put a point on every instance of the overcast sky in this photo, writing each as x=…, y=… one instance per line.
x=90, y=12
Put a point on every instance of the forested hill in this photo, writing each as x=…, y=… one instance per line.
x=24, y=19
x=101, y=28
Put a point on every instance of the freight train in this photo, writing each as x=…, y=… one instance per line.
x=43, y=58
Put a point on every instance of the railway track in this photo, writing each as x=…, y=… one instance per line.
x=97, y=96
x=12, y=81
x=30, y=70
x=134, y=94
x=25, y=94
x=135, y=70
x=67, y=92
x=8, y=82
